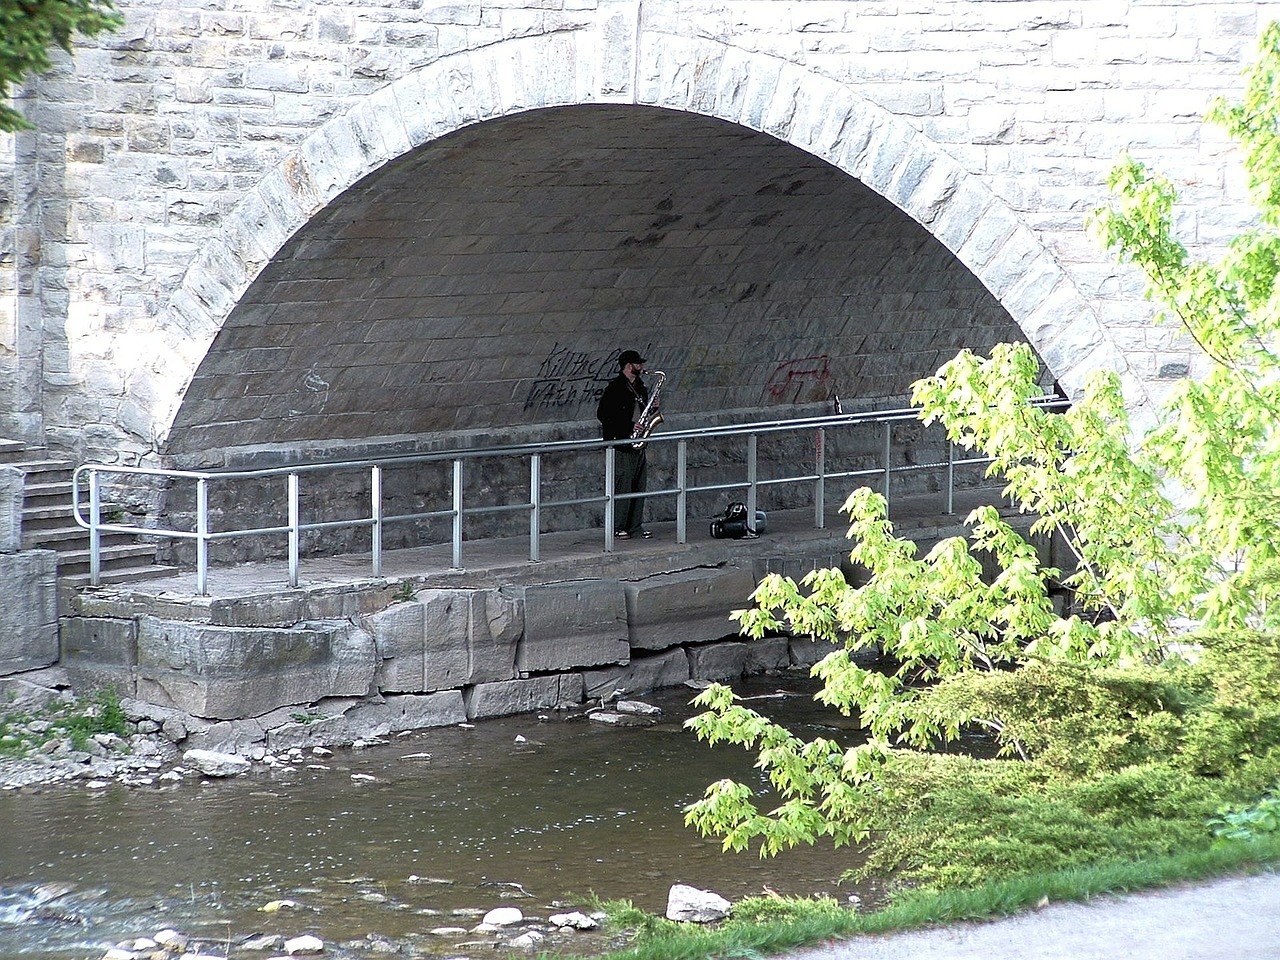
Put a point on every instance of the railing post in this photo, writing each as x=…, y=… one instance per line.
x=820, y=488
x=295, y=537
x=888, y=459
x=610, y=468
x=951, y=478
x=95, y=533
x=202, y=537
x=535, y=506
x=682, y=498
x=375, y=494
x=752, y=450
x=457, y=514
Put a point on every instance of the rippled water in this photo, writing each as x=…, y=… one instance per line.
x=574, y=809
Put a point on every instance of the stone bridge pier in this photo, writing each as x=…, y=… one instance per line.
x=247, y=235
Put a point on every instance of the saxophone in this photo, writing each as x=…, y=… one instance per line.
x=649, y=416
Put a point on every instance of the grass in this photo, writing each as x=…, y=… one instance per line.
x=763, y=925
x=76, y=720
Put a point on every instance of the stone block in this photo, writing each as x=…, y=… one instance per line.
x=768, y=654
x=398, y=635
x=666, y=669
x=406, y=712
x=99, y=652
x=323, y=732
x=12, y=492
x=718, y=661
x=269, y=610
x=226, y=736
x=806, y=652
x=690, y=606
x=578, y=623
x=505, y=697
x=223, y=673
x=28, y=611
x=464, y=640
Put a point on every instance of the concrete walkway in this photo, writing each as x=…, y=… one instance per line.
x=1236, y=918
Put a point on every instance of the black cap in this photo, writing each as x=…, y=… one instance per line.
x=629, y=356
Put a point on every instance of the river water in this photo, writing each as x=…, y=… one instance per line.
x=541, y=815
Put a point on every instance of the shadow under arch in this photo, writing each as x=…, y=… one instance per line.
x=791, y=104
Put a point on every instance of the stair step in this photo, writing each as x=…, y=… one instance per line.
x=151, y=571
x=11, y=450
x=46, y=471
x=61, y=537
x=77, y=561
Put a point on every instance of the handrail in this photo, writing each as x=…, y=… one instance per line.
x=91, y=475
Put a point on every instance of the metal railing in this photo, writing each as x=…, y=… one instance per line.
x=91, y=478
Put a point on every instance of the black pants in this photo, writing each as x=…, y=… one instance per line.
x=630, y=476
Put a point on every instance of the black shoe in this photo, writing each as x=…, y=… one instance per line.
x=646, y=534
x=621, y=535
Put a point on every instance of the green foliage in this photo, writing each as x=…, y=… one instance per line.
x=75, y=720
x=1248, y=821
x=28, y=28
x=1153, y=698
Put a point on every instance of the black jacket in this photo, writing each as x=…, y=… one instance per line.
x=617, y=408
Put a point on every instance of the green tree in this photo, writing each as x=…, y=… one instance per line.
x=28, y=28
x=1178, y=526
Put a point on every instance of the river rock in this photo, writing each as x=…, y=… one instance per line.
x=305, y=944
x=691, y=905
x=527, y=941
x=214, y=764
x=638, y=708
x=573, y=921
x=503, y=916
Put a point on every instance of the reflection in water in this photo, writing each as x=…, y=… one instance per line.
x=573, y=809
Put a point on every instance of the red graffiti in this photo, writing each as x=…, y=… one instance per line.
x=790, y=377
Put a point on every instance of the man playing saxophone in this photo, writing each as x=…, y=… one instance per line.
x=618, y=411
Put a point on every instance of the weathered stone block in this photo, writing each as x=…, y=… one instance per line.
x=228, y=672
x=806, y=652
x=98, y=652
x=686, y=607
x=398, y=635
x=28, y=611
x=666, y=669
x=506, y=697
x=408, y=712
x=768, y=653
x=11, y=499
x=271, y=610
x=466, y=639
x=227, y=736
x=718, y=661
x=580, y=623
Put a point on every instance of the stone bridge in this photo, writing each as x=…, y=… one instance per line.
x=253, y=233
x=246, y=229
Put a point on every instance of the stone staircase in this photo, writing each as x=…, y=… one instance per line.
x=48, y=523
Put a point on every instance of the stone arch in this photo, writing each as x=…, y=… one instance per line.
x=792, y=104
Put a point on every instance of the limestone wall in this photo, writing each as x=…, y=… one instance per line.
x=187, y=169
x=238, y=668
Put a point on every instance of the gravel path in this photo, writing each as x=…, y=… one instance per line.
x=1236, y=918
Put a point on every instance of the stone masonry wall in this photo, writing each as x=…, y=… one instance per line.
x=173, y=162
x=439, y=656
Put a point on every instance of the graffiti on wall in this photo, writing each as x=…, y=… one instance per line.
x=570, y=378
x=791, y=378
